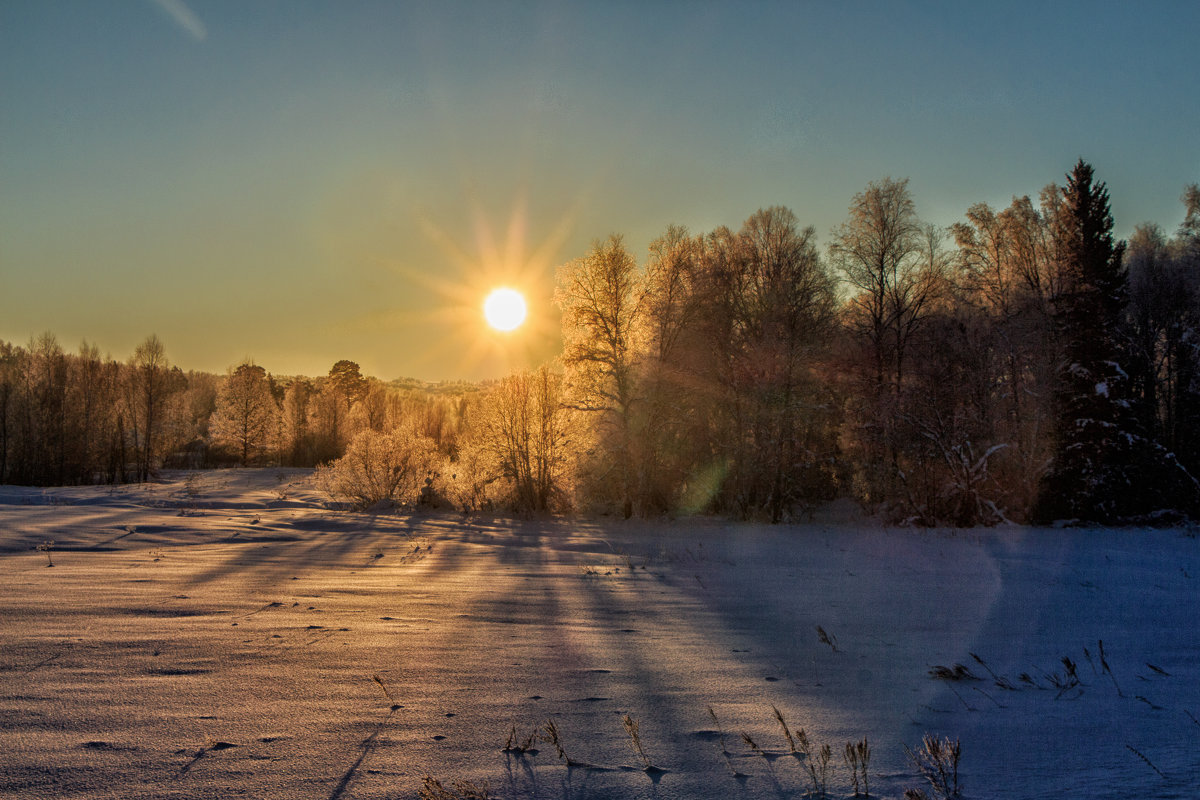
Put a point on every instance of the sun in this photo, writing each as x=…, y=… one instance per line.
x=504, y=309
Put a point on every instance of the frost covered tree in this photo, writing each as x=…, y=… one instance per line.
x=1182, y=417
x=1104, y=469
x=519, y=439
x=600, y=298
x=58, y=415
x=247, y=416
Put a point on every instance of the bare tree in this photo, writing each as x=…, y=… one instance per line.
x=670, y=306
x=149, y=385
x=93, y=395
x=1189, y=231
x=48, y=406
x=10, y=376
x=777, y=301
x=294, y=428
x=889, y=262
x=1163, y=324
x=1005, y=273
x=878, y=252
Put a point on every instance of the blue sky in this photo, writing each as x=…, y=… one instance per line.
x=299, y=182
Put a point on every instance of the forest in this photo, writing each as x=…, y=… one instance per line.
x=1021, y=366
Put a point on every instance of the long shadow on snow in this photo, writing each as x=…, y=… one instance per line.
x=276, y=556
x=606, y=667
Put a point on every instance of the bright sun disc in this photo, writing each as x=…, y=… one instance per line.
x=504, y=309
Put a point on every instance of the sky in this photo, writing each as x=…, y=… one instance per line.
x=297, y=182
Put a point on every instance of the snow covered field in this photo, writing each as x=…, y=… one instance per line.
x=223, y=634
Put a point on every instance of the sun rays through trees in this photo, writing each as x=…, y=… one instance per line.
x=1020, y=365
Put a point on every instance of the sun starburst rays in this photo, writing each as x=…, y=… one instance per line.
x=493, y=257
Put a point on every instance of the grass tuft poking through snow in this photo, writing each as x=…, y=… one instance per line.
x=956, y=673
x=937, y=761
x=378, y=680
x=551, y=736
x=816, y=761
x=519, y=746
x=858, y=759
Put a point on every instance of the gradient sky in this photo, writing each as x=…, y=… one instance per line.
x=300, y=182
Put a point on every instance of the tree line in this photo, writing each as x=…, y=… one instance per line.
x=1021, y=365
x=84, y=418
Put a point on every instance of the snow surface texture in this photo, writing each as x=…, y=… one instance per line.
x=220, y=635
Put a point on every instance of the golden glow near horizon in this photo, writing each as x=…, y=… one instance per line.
x=504, y=309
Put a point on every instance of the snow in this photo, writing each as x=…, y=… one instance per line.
x=218, y=635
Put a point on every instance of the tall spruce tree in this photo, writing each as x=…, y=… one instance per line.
x=1104, y=468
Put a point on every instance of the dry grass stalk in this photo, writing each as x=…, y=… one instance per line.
x=751, y=743
x=786, y=732
x=956, y=673
x=816, y=762
x=550, y=736
x=386, y=693
x=827, y=638
x=999, y=680
x=520, y=746
x=631, y=727
x=724, y=750
x=1068, y=680
x=1108, y=669
x=818, y=769
x=720, y=732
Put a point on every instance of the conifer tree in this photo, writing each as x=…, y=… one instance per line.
x=1104, y=468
